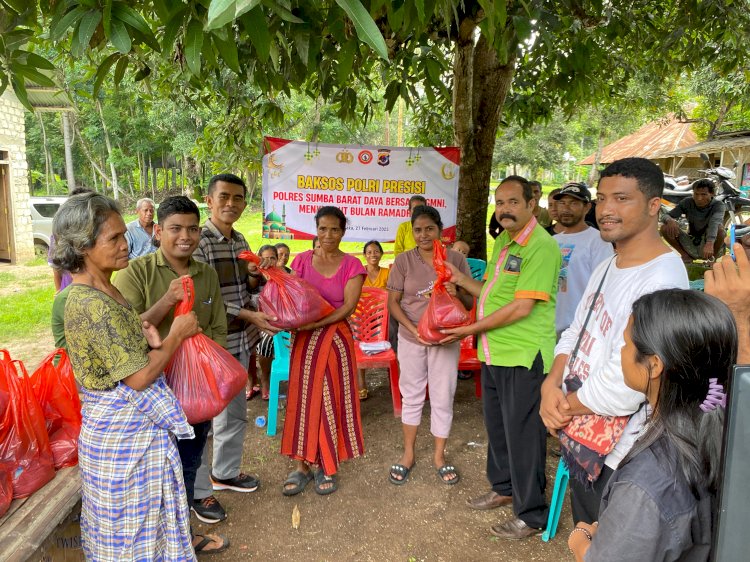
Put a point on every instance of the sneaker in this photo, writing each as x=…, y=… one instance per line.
x=209, y=510
x=240, y=483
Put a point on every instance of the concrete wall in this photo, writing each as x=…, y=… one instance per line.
x=13, y=141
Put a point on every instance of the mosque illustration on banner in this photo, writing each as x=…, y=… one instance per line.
x=274, y=226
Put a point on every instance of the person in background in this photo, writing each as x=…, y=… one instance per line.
x=377, y=276
x=133, y=500
x=409, y=286
x=323, y=425
x=404, y=238
x=555, y=227
x=541, y=214
x=219, y=247
x=705, y=215
x=152, y=284
x=264, y=349
x=282, y=250
x=461, y=247
x=315, y=243
x=661, y=502
x=140, y=234
x=582, y=250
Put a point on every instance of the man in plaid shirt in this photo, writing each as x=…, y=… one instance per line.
x=219, y=247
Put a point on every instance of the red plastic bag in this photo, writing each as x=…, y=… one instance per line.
x=55, y=388
x=23, y=433
x=204, y=376
x=293, y=301
x=443, y=311
x=6, y=487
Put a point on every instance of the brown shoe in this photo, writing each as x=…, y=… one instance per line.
x=490, y=500
x=514, y=529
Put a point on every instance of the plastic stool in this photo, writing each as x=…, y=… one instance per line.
x=279, y=372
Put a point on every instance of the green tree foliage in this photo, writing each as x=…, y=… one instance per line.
x=486, y=57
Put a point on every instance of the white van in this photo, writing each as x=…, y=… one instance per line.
x=43, y=209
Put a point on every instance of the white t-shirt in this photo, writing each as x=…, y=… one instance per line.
x=581, y=253
x=605, y=391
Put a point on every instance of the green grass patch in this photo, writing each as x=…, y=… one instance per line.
x=24, y=313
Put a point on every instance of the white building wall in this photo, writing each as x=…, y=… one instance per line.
x=13, y=141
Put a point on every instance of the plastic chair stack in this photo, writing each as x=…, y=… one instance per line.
x=279, y=372
x=478, y=267
x=369, y=323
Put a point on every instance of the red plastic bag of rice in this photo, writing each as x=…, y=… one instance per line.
x=6, y=487
x=443, y=311
x=24, y=444
x=55, y=388
x=204, y=376
x=291, y=300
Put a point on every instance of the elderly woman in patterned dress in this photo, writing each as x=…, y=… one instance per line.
x=133, y=496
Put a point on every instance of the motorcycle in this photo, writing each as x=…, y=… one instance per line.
x=737, y=207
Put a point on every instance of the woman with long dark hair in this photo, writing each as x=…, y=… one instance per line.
x=660, y=504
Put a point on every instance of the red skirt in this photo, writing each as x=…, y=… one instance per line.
x=323, y=424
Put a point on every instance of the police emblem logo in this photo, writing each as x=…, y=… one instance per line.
x=384, y=157
x=364, y=157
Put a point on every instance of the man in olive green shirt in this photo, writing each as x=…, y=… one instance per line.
x=516, y=327
x=152, y=284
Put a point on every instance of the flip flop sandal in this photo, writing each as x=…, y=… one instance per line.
x=205, y=541
x=320, y=479
x=401, y=471
x=300, y=481
x=447, y=470
x=252, y=393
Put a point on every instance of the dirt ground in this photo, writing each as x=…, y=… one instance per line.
x=368, y=518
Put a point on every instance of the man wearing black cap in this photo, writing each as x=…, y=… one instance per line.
x=582, y=250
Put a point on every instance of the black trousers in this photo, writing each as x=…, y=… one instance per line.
x=191, y=451
x=585, y=502
x=517, y=450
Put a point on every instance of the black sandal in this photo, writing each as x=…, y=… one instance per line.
x=322, y=478
x=399, y=470
x=299, y=479
x=205, y=541
x=446, y=470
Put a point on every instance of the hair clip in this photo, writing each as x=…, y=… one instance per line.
x=715, y=396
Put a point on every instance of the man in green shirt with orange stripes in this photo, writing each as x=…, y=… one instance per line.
x=516, y=328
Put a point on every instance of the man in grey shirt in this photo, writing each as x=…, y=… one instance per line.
x=705, y=215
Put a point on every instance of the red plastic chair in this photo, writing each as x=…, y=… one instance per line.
x=468, y=361
x=370, y=324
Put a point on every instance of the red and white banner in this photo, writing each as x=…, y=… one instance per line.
x=371, y=185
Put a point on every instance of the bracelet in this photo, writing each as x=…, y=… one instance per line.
x=584, y=531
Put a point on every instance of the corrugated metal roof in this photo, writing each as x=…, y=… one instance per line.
x=653, y=140
x=715, y=145
x=48, y=99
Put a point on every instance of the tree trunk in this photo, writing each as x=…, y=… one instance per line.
x=480, y=84
x=115, y=185
x=153, y=177
x=68, y=142
x=316, y=126
x=87, y=152
x=387, y=132
x=47, y=156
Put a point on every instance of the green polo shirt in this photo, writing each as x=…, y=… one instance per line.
x=529, y=270
x=146, y=280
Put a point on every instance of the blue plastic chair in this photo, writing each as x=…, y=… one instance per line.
x=556, y=505
x=279, y=372
x=477, y=267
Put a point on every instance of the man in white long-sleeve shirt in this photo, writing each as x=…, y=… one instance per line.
x=628, y=202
